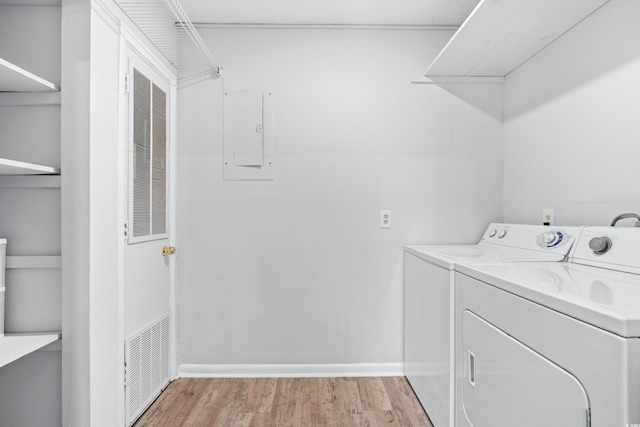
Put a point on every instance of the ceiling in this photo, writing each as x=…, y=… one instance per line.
x=328, y=12
x=318, y=12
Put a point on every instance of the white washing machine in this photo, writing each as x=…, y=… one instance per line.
x=552, y=344
x=429, y=295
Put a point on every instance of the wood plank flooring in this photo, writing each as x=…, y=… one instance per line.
x=268, y=402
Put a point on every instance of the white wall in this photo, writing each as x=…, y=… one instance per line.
x=92, y=215
x=296, y=271
x=571, y=131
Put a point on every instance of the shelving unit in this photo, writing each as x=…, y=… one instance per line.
x=30, y=212
x=14, y=346
x=16, y=79
x=499, y=36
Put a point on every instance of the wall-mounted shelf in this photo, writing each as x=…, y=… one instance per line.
x=499, y=36
x=166, y=24
x=14, y=346
x=30, y=181
x=16, y=79
x=437, y=80
x=33, y=261
x=23, y=99
x=14, y=167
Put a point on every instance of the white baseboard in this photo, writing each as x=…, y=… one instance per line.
x=289, y=371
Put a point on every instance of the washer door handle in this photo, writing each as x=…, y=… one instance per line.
x=472, y=368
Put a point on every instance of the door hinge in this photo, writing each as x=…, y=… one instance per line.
x=126, y=84
x=126, y=375
x=126, y=230
x=588, y=417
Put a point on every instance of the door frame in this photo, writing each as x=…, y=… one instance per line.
x=131, y=42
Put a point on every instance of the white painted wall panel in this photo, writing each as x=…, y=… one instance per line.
x=296, y=270
x=34, y=398
x=571, y=123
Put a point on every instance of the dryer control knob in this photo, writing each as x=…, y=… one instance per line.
x=600, y=245
x=550, y=238
x=493, y=232
x=502, y=233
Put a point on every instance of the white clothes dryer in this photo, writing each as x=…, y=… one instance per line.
x=552, y=344
x=429, y=295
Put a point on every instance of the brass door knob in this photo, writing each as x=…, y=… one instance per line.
x=168, y=250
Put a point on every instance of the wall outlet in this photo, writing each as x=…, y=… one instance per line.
x=385, y=219
x=548, y=216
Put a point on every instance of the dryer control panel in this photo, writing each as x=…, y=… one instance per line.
x=532, y=237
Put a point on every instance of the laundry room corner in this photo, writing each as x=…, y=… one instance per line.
x=295, y=272
x=570, y=126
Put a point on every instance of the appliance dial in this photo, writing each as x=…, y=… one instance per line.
x=550, y=238
x=493, y=232
x=502, y=233
x=600, y=245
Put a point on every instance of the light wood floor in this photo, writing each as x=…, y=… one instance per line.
x=348, y=402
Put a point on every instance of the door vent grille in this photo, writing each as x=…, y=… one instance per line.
x=147, y=366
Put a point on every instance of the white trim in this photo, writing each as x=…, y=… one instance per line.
x=434, y=80
x=141, y=239
x=301, y=26
x=106, y=12
x=292, y=370
x=172, y=224
x=123, y=161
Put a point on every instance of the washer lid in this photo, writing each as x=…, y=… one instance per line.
x=447, y=256
x=603, y=298
x=504, y=242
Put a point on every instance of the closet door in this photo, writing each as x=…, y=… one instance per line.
x=148, y=264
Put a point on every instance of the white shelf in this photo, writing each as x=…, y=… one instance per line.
x=499, y=36
x=14, y=346
x=437, y=80
x=30, y=181
x=24, y=99
x=16, y=79
x=14, y=167
x=33, y=261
